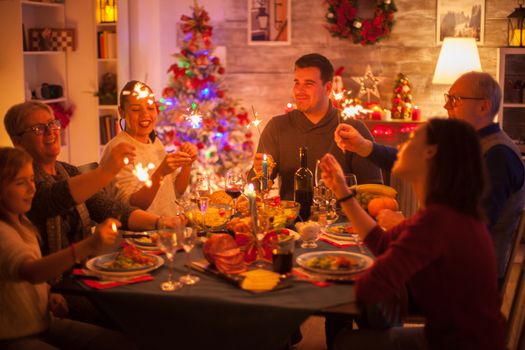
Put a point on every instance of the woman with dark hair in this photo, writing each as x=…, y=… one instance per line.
x=172, y=171
x=443, y=253
x=26, y=320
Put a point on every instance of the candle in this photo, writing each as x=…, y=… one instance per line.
x=416, y=113
x=250, y=193
x=265, y=173
x=387, y=115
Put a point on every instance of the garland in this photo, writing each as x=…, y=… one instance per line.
x=343, y=21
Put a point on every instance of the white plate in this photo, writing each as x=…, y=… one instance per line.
x=91, y=265
x=365, y=262
x=292, y=233
x=330, y=229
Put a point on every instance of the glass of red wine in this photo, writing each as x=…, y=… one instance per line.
x=234, y=186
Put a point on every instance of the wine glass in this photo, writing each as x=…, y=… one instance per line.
x=202, y=186
x=233, y=187
x=167, y=241
x=351, y=183
x=188, y=238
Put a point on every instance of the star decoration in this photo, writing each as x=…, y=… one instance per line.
x=368, y=84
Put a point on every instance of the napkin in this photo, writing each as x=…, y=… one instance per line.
x=301, y=274
x=86, y=278
x=339, y=243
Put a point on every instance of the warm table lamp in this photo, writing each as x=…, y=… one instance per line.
x=457, y=56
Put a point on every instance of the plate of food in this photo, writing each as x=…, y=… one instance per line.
x=128, y=261
x=342, y=229
x=141, y=239
x=334, y=262
x=215, y=216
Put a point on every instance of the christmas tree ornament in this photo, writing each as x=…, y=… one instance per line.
x=368, y=84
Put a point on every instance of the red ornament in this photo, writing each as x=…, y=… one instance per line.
x=220, y=93
x=220, y=71
x=216, y=60
x=200, y=145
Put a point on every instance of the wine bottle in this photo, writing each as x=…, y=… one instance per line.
x=303, y=185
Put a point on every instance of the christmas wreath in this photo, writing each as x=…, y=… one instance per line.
x=343, y=21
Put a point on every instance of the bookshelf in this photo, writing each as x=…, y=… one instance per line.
x=112, y=65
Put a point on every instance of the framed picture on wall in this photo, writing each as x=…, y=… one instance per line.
x=269, y=22
x=460, y=18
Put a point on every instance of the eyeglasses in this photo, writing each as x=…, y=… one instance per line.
x=453, y=100
x=40, y=129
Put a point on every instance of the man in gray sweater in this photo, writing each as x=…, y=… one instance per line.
x=311, y=125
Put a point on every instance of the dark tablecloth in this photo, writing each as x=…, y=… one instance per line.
x=213, y=313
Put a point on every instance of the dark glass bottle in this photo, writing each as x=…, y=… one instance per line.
x=303, y=185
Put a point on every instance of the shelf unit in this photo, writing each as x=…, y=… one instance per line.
x=45, y=66
x=511, y=76
x=112, y=59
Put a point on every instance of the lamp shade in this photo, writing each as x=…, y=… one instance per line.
x=457, y=56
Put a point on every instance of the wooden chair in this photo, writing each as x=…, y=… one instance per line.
x=516, y=314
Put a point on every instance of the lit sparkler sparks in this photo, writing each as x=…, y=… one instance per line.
x=195, y=118
x=141, y=91
x=142, y=173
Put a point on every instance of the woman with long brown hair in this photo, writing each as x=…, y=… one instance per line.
x=444, y=252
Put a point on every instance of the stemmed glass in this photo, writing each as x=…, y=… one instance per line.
x=188, y=239
x=202, y=186
x=167, y=241
x=233, y=187
x=351, y=182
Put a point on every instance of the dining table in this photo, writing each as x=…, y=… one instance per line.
x=214, y=313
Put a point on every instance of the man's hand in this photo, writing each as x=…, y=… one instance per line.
x=348, y=138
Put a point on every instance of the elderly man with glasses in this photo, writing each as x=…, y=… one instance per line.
x=475, y=98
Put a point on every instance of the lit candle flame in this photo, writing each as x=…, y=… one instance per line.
x=126, y=160
x=142, y=173
x=114, y=227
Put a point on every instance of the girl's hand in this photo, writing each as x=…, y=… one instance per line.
x=191, y=150
x=172, y=161
x=106, y=234
x=333, y=176
x=58, y=305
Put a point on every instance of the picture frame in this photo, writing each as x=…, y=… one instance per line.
x=269, y=22
x=460, y=19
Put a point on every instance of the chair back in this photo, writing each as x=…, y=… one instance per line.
x=516, y=317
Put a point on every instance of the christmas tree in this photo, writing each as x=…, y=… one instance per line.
x=402, y=99
x=194, y=107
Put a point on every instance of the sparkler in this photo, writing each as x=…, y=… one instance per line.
x=195, y=118
x=142, y=173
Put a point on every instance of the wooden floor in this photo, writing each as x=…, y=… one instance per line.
x=313, y=328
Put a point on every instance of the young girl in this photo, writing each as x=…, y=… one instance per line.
x=172, y=171
x=25, y=320
x=444, y=252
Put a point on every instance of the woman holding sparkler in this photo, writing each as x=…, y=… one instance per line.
x=172, y=170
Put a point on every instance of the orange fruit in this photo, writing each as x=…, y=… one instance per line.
x=379, y=203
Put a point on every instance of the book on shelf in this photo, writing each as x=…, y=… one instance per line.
x=109, y=128
x=107, y=44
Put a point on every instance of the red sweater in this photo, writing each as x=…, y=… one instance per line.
x=448, y=261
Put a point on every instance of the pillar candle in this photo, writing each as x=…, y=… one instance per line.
x=265, y=173
x=416, y=113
